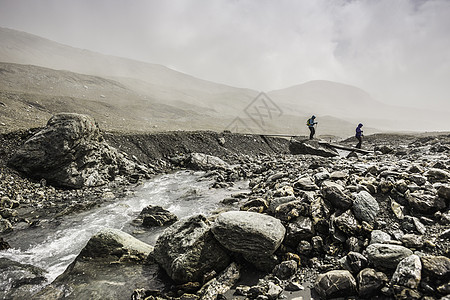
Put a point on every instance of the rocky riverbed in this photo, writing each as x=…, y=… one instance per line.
x=358, y=226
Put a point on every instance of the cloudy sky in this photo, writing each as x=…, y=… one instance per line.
x=397, y=50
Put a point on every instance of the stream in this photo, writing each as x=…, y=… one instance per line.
x=54, y=245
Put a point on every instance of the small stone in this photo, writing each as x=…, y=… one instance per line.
x=285, y=269
x=370, y=282
x=294, y=286
x=386, y=255
x=306, y=184
x=412, y=241
x=336, y=283
x=408, y=272
x=378, y=236
x=365, y=207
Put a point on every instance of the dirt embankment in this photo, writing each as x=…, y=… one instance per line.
x=153, y=147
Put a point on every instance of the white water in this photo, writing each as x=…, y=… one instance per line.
x=53, y=249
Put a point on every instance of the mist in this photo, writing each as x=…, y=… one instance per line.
x=397, y=51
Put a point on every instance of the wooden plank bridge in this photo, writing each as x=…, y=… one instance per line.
x=323, y=143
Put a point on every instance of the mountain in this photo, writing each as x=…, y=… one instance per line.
x=155, y=81
x=354, y=105
x=29, y=95
x=124, y=94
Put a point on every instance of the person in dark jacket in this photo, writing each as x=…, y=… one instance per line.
x=310, y=123
x=359, y=135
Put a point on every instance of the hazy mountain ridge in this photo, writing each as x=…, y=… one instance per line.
x=29, y=95
x=149, y=95
x=24, y=48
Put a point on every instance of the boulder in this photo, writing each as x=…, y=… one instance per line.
x=187, y=249
x=444, y=191
x=300, y=229
x=336, y=175
x=436, y=266
x=387, y=255
x=220, y=284
x=336, y=283
x=320, y=213
x=412, y=241
x=337, y=198
x=379, y=237
x=291, y=210
x=418, y=179
x=347, y=223
x=248, y=233
x=384, y=149
x=354, y=262
x=200, y=161
x=113, y=244
x=152, y=216
x=437, y=175
x=306, y=184
x=365, y=207
x=277, y=201
x=21, y=279
x=424, y=203
x=304, y=248
x=5, y=225
x=284, y=191
x=408, y=272
x=311, y=147
x=285, y=269
x=111, y=266
x=4, y=244
x=370, y=282
x=71, y=152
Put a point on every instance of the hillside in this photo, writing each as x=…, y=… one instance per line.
x=29, y=95
x=153, y=80
x=350, y=103
x=124, y=94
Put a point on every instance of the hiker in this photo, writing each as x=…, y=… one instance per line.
x=310, y=123
x=359, y=135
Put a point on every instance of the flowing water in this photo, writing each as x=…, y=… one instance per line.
x=54, y=245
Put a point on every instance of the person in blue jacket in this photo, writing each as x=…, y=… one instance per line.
x=359, y=135
x=310, y=123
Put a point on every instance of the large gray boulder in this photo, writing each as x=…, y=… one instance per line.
x=187, y=250
x=113, y=244
x=386, y=255
x=71, y=152
x=248, y=233
x=336, y=283
x=311, y=147
x=111, y=266
x=365, y=207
